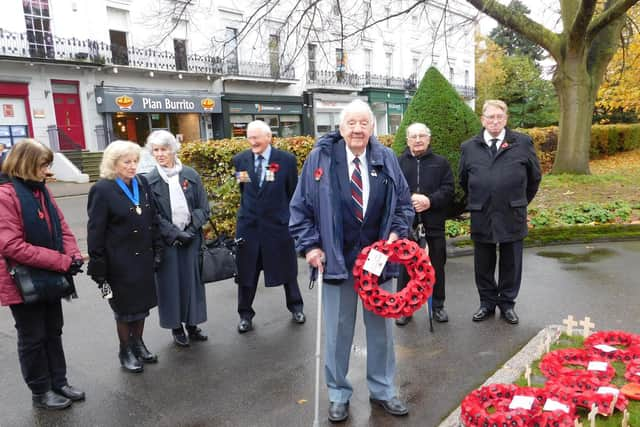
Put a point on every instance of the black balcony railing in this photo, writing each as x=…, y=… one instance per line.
x=466, y=92
x=14, y=44
x=358, y=81
x=257, y=70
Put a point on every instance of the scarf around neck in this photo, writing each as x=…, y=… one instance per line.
x=180, y=214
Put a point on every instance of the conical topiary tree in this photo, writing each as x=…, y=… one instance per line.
x=438, y=105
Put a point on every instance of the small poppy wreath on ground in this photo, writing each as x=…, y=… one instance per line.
x=564, y=388
x=627, y=345
x=489, y=406
x=553, y=364
x=408, y=300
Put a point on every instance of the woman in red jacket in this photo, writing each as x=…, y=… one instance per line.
x=34, y=233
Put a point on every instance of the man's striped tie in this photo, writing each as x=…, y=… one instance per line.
x=356, y=190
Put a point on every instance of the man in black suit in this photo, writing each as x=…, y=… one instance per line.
x=500, y=173
x=431, y=184
x=267, y=178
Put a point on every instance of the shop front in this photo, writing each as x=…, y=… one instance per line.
x=326, y=111
x=15, y=117
x=132, y=114
x=388, y=107
x=283, y=114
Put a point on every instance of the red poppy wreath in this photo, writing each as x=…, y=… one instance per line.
x=408, y=300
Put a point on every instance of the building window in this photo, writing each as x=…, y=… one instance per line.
x=312, y=61
x=340, y=64
x=231, y=50
x=38, y=22
x=274, y=55
x=335, y=8
x=180, y=50
x=451, y=74
x=367, y=65
x=389, y=63
x=466, y=77
x=119, y=50
x=416, y=66
x=387, y=15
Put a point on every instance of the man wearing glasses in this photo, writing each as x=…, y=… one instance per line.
x=500, y=174
x=431, y=184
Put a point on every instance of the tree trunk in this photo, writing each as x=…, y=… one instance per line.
x=576, y=95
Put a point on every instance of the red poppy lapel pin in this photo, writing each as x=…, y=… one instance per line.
x=318, y=174
x=504, y=145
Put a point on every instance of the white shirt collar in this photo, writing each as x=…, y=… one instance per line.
x=351, y=156
x=266, y=154
x=487, y=137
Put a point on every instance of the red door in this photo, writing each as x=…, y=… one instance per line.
x=69, y=121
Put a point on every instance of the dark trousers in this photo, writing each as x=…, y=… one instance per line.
x=438, y=256
x=502, y=293
x=247, y=293
x=40, y=350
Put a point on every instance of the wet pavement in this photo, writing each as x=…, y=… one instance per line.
x=266, y=377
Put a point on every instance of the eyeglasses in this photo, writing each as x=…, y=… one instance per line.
x=497, y=117
x=421, y=136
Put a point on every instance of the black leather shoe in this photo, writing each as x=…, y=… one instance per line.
x=129, y=361
x=403, y=320
x=510, y=316
x=142, y=352
x=70, y=393
x=298, y=317
x=483, y=313
x=180, y=338
x=245, y=325
x=393, y=406
x=338, y=412
x=196, y=334
x=50, y=400
x=440, y=315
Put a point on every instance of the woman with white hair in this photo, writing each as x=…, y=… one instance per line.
x=124, y=248
x=183, y=208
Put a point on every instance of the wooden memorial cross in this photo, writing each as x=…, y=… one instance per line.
x=570, y=323
x=527, y=375
x=587, y=325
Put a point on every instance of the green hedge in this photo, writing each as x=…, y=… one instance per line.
x=605, y=140
x=212, y=160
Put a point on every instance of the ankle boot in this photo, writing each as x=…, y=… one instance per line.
x=50, y=400
x=142, y=352
x=128, y=360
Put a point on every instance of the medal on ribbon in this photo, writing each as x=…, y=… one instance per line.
x=242, y=177
x=134, y=196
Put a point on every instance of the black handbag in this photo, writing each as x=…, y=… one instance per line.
x=36, y=285
x=218, y=258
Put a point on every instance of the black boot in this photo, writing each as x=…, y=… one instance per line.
x=142, y=352
x=128, y=360
x=50, y=400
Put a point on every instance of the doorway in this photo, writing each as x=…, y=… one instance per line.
x=66, y=103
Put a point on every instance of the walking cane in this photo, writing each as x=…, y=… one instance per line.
x=316, y=416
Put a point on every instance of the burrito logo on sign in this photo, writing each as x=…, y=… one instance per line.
x=208, y=104
x=124, y=102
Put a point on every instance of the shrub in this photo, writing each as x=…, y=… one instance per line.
x=605, y=140
x=438, y=105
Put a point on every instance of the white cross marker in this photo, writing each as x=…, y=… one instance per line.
x=570, y=323
x=592, y=415
x=587, y=325
x=577, y=423
x=625, y=418
x=527, y=375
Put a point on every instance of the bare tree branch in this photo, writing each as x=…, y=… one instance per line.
x=610, y=14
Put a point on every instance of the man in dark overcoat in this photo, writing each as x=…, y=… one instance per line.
x=431, y=183
x=267, y=178
x=500, y=173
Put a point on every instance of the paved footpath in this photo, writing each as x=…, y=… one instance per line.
x=266, y=377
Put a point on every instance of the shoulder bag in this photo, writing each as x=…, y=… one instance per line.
x=36, y=285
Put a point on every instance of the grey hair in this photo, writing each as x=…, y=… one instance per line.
x=414, y=127
x=259, y=124
x=114, y=151
x=357, y=106
x=163, y=138
x=497, y=103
